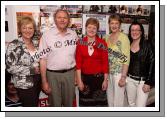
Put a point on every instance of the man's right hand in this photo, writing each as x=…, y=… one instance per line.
x=46, y=88
x=80, y=85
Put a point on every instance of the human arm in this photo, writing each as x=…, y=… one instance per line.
x=105, y=67
x=125, y=60
x=105, y=82
x=79, y=80
x=45, y=85
x=78, y=67
x=17, y=61
x=122, y=81
x=150, y=80
x=43, y=67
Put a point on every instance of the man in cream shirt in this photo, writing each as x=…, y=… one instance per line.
x=57, y=66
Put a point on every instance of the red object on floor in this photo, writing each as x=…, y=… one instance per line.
x=74, y=103
x=43, y=102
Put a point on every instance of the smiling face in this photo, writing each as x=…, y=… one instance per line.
x=91, y=30
x=62, y=20
x=135, y=32
x=114, y=25
x=92, y=26
x=27, y=30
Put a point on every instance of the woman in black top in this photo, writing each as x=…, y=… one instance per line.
x=139, y=80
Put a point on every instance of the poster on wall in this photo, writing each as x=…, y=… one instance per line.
x=146, y=30
x=125, y=28
x=74, y=10
x=76, y=25
x=46, y=23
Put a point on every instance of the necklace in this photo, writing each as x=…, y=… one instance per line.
x=91, y=47
x=91, y=42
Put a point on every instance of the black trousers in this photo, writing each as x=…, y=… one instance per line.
x=30, y=97
x=92, y=95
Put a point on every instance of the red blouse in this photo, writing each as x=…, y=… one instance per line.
x=97, y=62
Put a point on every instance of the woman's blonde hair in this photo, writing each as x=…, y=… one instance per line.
x=114, y=17
x=26, y=20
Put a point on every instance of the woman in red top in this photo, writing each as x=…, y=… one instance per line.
x=92, y=67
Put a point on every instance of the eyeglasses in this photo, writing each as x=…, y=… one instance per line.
x=135, y=30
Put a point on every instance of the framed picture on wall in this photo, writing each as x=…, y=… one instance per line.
x=6, y=26
x=74, y=10
x=93, y=9
x=110, y=9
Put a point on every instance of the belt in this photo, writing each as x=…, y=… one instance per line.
x=94, y=75
x=61, y=71
x=138, y=78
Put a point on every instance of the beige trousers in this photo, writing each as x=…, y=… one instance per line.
x=115, y=94
x=62, y=88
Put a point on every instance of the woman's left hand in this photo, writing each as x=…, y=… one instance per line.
x=146, y=88
x=105, y=85
x=122, y=82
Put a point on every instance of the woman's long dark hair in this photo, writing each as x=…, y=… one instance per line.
x=142, y=32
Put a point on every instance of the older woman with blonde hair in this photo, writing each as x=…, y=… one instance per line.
x=119, y=57
x=23, y=65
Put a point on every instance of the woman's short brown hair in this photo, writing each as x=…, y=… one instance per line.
x=115, y=17
x=92, y=21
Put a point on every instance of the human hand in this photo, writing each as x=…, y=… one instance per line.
x=146, y=88
x=80, y=85
x=75, y=81
x=46, y=88
x=122, y=82
x=105, y=84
